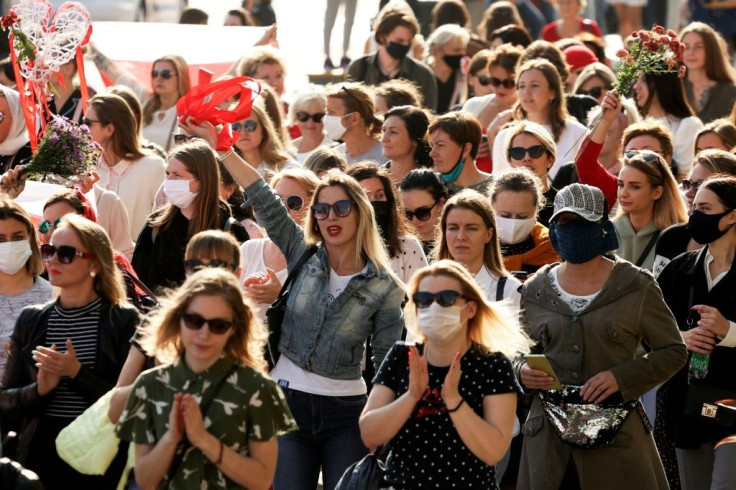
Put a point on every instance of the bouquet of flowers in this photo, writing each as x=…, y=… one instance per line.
x=655, y=52
x=66, y=150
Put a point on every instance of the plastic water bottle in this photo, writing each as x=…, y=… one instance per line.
x=698, y=365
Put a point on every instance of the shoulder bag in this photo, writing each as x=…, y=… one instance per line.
x=277, y=310
x=366, y=474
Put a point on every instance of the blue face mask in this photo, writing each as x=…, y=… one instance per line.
x=454, y=174
x=580, y=242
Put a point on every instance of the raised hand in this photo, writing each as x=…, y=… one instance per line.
x=450, y=392
x=418, y=374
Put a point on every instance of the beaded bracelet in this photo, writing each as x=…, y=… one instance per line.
x=222, y=157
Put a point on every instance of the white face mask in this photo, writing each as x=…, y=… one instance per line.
x=178, y=193
x=511, y=231
x=440, y=324
x=334, y=127
x=14, y=255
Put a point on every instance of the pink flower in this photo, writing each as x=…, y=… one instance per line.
x=672, y=34
x=644, y=35
x=622, y=53
x=658, y=29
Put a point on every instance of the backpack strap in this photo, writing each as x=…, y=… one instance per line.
x=500, y=287
x=650, y=245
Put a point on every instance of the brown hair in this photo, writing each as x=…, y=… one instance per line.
x=450, y=12
x=655, y=129
x=716, y=161
x=399, y=92
x=499, y=14
x=550, y=52
x=9, y=209
x=723, y=128
x=257, y=56
x=271, y=148
x=132, y=100
x=506, y=56
x=125, y=140
x=181, y=68
x=215, y=244
x=325, y=158
x=394, y=15
x=357, y=97
x=462, y=128
x=717, y=63
x=519, y=180
x=558, y=107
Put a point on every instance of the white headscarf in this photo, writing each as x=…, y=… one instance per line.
x=18, y=135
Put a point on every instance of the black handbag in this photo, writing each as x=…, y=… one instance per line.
x=366, y=474
x=710, y=403
x=275, y=312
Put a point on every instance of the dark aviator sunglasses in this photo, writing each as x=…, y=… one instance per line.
x=165, y=74
x=194, y=321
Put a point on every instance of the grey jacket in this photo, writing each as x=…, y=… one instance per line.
x=328, y=338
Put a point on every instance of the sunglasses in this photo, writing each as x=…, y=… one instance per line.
x=422, y=214
x=342, y=208
x=165, y=74
x=45, y=225
x=507, y=83
x=64, y=253
x=249, y=126
x=88, y=122
x=195, y=322
x=302, y=116
x=688, y=184
x=595, y=92
x=193, y=265
x=518, y=152
x=294, y=203
x=444, y=298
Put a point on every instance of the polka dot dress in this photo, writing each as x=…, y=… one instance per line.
x=428, y=452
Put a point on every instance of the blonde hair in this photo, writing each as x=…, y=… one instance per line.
x=533, y=129
x=595, y=70
x=214, y=244
x=258, y=56
x=481, y=205
x=669, y=209
x=271, y=148
x=307, y=99
x=162, y=335
x=306, y=179
x=444, y=35
x=494, y=328
x=108, y=282
x=9, y=209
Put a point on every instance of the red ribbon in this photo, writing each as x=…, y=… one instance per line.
x=200, y=104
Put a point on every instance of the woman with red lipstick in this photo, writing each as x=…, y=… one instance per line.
x=344, y=293
x=66, y=354
x=649, y=202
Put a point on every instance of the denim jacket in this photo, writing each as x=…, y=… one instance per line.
x=321, y=337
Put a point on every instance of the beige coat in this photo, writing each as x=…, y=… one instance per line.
x=603, y=337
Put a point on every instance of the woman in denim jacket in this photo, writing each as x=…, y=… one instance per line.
x=343, y=294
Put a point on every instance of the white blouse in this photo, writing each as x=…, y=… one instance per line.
x=410, y=259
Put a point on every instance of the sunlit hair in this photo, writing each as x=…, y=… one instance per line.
x=534, y=129
x=310, y=100
x=716, y=161
x=200, y=161
x=213, y=244
x=108, y=282
x=272, y=151
x=397, y=226
x=391, y=16
x=481, y=205
x=512, y=34
x=162, y=335
x=498, y=15
x=125, y=140
x=723, y=128
x=717, y=63
x=181, y=70
x=519, y=180
x=449, y=12
x=306, y=179
x=368, y=242
x=323, y=159
x=462, y=128
x=557, y=110
x=9, y=209
x=444, y=35
x=595, y=70
x=399, y=92
x=653, y=128
x=505, y=56
x=258, y=56
x=547, y=51
x=669, y=209
x=132, y=100
x=494, y=328
x=270, y=101
x=357, y=97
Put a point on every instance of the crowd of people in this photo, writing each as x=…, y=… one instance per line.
x=479, y=257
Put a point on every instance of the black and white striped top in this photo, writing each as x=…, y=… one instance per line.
x=80, y=325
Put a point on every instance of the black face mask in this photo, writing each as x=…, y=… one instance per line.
x=453, y=60
x=704, y=227
x=382, y=210
x=398, y=51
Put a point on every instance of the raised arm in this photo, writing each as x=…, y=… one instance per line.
x=107, y=67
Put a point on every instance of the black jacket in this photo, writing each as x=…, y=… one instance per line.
x=19, y=391
x=683, y=272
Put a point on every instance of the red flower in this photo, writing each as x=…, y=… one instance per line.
x=672, y=34
x=635, y=34
x=9, y=20
x=622, y=53
x=658, y=29
x=644, y=35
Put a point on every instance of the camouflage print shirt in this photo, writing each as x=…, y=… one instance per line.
x=249, y=407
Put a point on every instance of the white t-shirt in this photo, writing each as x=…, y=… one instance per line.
x=301, y=157
x=488, y=282
x=251, y=262
x=289, y=375
x=475, y=105
x=577, y=303
x=683, y=133
x=410, y=259
x=163, y=125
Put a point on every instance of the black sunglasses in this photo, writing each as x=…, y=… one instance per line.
x=249, y=126
x=294, y=203
x=195, y=322
x=342, y=208
x=302, y=116
x=518, y=152
x=64, y=253
x=688, y=184
x=193, y=265
x=507, y=83
x=45, y=225
x=422, y=214
x=444, y=298
x=595, y=92
x=165, y=74
x=87, y=121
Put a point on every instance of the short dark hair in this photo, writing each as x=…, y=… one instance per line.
x=391, y=17
x=416, y=122
x=425, y=179
x=462, y=127
x=191, y=15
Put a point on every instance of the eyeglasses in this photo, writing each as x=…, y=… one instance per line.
x=195, y=322
x=688, y=184
x=422, y=214
x=518, y=152
x=64, y=253
x=45, y=225
x=595, y=92
x=88, y=122
x=302, y=116
x=294, y=203
x=342, y=208
x=193, y=265
x=165, y=74
x=444, y=298
x=249, y=126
